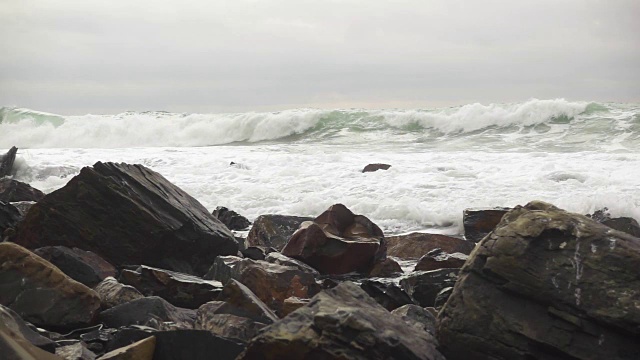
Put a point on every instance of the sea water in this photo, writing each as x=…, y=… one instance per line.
x=580, y=156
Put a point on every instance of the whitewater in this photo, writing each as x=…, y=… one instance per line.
x=580, y=156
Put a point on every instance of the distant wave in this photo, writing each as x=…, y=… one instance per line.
x=33, y=129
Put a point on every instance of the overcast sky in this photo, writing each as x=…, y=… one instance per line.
x=83, y=56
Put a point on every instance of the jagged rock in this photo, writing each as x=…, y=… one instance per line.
x=15, y=323
x=231, y=219
x=75, y=351
x=279, y=259
x=388, y=295
x=112, y=293
x=624, y=224
x=13, y=191
x=386, y=268
x=415, y=245
x=246, y=303
x=96, y=340
x=255, y=252
x=417, y=316
x=375, y=167
x=341, y=323
x=479, y=222
x=338, y=242
x=424, y=286
x=546, y=284
x=23, y=207
x=222, y=268
x=82, y=266
x=128, y=214
x=438, y=259
x=140, y=350
x=442, y=297
x=292, y=304
x=179, y=289
x=13, y=346
x=42, y=294
x=149, y=311
x=9, y=217
x=273, y=230
x=6, y=162
x=210, y=317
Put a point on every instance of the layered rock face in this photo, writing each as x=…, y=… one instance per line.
x=128, y=214
x=546, y=284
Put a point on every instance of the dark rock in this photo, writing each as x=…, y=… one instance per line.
x=76, y=351
x=6, y=162
x=279, y=259
x=386, y=268
x=112, y=293
x=243, y=302
x=415, y=245
x=479, y=222
x=23, y=206
x=140, y=350
x=9, y=217
x=255, y=252
x=83, y=266
x=442, y=297
x=273, y=230
x=417, y=316
x=388, y=295
x=292, y=304
x=13, y=346
x=624, y=224
x=341, y=323
x=15, y=323
x=128, y=214
x=231, y=219
x=13, y=190
x=546, y=284
x=179, y=289
x=438, y=259
x=424, y=286
x=600, y=215
x=42, y=294
x=375, y=167
x=148, y=311
x=222, y=268
x=213, y=317
x=338, y=242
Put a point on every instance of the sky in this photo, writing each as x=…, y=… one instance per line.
x=75, y=57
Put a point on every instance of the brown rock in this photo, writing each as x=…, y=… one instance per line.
x=479, y=222
x=273, y=230
x=219, y=318
x=375, y=167
x=141, y=350
x=292, y=304
x=82, y=266
x=245, y=303
x=13, y=191
x=42, y=294
x=112, y=293
x=438, y=259
x=14, y=346
x=415, y=245
x=386, y=268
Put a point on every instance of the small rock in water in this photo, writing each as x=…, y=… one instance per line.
x=231, y=219
x=375, y=167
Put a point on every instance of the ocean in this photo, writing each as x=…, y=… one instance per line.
x=580, y=156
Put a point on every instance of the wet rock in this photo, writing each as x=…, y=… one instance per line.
x=179, y=289
x=438, y=259
x=83, y=266
x=479, y=222
x=338, y=242
x=76, y=351
x=149, y=311
x=9, y=217
x=417, y=316
x=112, y=293
x=6, y=162
x=14, y=346
x=222, y=268
x=279, y=259
x=292, y=304
x=42, y=294
x=424, y=286
x=442, y=297
x=15, y=323
x=341, y=323
x=140, y=350
x=546, y=284
x=245, y=303
x=375, y=167
x=624, y=224
x=415, y=245
x=231, y=219
x=128, y=214
x=13, y=191
x=215, y=317
x=255, y=252
x=386, y=268
x=388, y=295
x=273, y=231
x=23, y=207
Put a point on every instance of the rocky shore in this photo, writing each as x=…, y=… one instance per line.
x=122, y=264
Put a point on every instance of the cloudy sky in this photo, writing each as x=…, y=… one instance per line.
x=80, y=56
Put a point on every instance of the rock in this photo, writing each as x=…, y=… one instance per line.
x=245, y=303
x=442, y=297
x=417, y=316
x=255, y=252
x=341, y=323
x=438, y=259
x=82, y=266
x=424, y=286
x=231, y=219
x=9, y=217
x=479, y=222
x=546, y=284
x=279, y=259
x=23, y=207
x=42, y=294
x=624, y=224
x=128, y=214
x=15, y=324
x=112, y=293
x=6, y=162
x=140, y=350
x=338, y=242
x=222, y=268
x=415, y=245
x=148, y=311
x=76, y=351
x=273, y=230
x=292, y=304
x=14, y=346
x=375, y=167
x=214, y=318
x=13, y=191
x=388, y=295
x=179, y=289
x=386, y=268
x=98, y=339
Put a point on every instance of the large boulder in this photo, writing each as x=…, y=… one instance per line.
x=479, y=222
x=273, y=230
x=42, y=294
x=546, y=284
x=6, y=162
x=9, y=217
x=13, y=191
x=82, y=266
x=415, y=245
x=231, y=219
x=438, y=259
x=129, y=215
x=338, y=242
x=342, y=323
